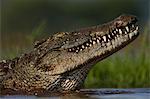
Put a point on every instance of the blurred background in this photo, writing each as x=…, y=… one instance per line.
x=25, y=21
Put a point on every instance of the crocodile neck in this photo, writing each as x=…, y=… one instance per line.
x=62, y=61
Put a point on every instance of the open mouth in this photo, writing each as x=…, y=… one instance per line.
x=131, y=30
x=120, y=36
x=122, y=33
x=114, y=38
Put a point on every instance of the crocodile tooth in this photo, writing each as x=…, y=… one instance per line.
x=90, y=45
x=117, y=35
x=90, y=41
x=77, y=40
x=113, y=34
x=137, y=28
x=104, y=37
x=116, y=30
x=77, y=51
x=87, y=44
x=130, y=35
x=64, y=42
x=83, y=46
x=94, y=42
x=135, y=32
x=109, y=36
x=125, y=32
x=120, y=31
x=70, y=49
x=127, y=28
x=97, y=40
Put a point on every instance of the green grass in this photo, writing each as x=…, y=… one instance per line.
x=120, y=72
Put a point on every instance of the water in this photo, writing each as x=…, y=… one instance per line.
x=140, y=93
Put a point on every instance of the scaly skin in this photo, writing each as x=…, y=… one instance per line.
x=62, y=62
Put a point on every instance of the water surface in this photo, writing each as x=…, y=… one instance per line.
x=138, y=93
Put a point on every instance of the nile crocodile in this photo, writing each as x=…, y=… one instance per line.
x=62, y=61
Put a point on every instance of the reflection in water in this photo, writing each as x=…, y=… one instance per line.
x=141, y=93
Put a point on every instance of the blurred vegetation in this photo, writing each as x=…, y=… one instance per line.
x=22, y=25
x=128, y=70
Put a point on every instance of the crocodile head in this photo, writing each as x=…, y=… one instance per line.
x=70, y=55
